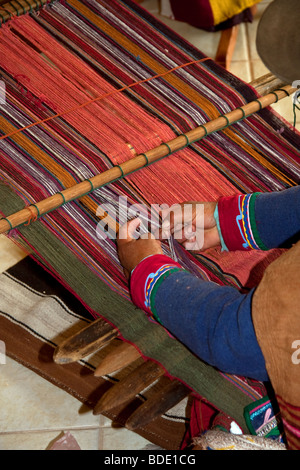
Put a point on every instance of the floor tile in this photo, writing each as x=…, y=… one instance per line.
x=31, y=403
x=87, y=439
x=242, y=70
x=241, y=48
x=258, y=69
x=151, y=5
x=122, y=439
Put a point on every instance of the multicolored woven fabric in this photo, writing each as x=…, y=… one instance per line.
x=239, y=214
x=213, y=15
x=73, y=51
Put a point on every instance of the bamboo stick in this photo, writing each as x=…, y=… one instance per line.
x=51, y=203
x=128, y=388
x=121, y=356
x=162, y=401
x=87, y=341
x=11, y=9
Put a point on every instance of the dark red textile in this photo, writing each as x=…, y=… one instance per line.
x=202, y=415
x=198, y=13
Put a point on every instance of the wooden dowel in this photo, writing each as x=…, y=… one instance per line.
x=226, y=46
x=10, y=9
x=117, y=172
x=162, y=401
x=128, y=388
x=121, y=356
x=87, y=341
x=267, y=83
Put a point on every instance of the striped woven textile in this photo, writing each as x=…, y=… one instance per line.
x=74, y=51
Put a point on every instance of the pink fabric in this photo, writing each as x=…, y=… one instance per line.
x=201, y=418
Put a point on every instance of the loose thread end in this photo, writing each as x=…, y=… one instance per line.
x=33, y=214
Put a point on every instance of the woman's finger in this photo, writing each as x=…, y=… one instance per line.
x=171, y=217
x=129, y=231
x=184, y=233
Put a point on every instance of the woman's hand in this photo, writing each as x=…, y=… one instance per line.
x=133, y=250
x=192, y=224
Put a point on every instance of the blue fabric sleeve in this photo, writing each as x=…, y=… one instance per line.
x=213, y=321
x=277, y=217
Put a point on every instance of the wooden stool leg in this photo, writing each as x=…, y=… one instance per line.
x=226, y=46
x=253, y=10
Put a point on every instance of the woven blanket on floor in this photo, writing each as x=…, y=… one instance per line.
x=71, y=52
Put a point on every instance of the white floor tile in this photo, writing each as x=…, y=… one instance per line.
x=122, y=439
x=242, y=70
x=87, y=439
x=31, y=403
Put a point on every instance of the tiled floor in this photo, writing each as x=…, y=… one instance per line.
x=33, y=412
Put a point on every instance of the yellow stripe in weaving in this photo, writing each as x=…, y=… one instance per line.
x=64, y=176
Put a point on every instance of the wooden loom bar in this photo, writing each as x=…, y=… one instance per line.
x=85, y=342
x=122, y=355
x=79, y=190
x=172, y=393
x=267, y=83
x=9, y=10
x=125, y=390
